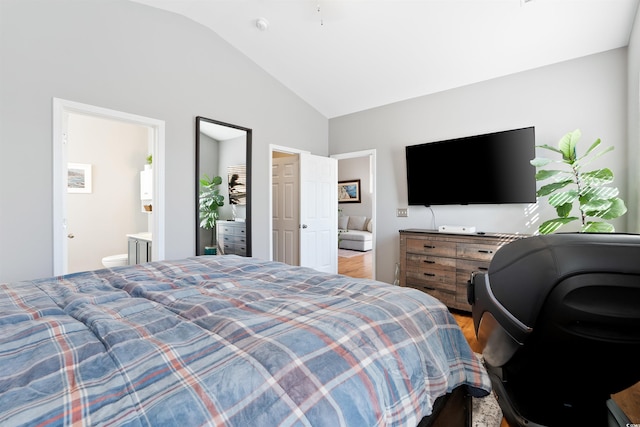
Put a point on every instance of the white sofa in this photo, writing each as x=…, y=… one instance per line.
x=355, y=233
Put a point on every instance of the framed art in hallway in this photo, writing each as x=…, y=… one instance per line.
x=349, y=191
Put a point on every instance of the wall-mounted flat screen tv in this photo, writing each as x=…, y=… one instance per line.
x=492, y=168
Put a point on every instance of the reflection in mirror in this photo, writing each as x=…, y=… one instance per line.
x=223, y=188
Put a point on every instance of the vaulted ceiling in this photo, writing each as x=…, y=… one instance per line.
x=344, y=56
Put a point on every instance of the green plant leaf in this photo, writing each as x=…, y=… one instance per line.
x=616, y=209
x=566, y=197
x=546, y=174
x=209, y=200
x=567, y=145
x=598, y=227
x=540, y=161
x=584, y=161
x=597, y=177
x=549, y=147
x=552, y=225
x=593, y=206
x=564, y=210
x=591, y=148
x=545, y=190
x=598, y=193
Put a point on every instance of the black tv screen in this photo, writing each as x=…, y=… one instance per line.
x=492, y=168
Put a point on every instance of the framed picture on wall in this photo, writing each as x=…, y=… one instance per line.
x=349, y=191
x=79, y=178
x=237, y=184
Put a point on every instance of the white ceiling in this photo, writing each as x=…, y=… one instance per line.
x=344, y=56
x=220, y=132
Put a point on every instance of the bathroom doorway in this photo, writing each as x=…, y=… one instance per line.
x=110, y=149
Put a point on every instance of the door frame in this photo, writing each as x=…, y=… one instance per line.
x=371, y=154
x=61, y=110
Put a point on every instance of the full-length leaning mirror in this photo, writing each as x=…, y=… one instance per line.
x=223, y=188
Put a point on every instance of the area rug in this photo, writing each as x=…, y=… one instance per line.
x=486, y=412
x=346, y=253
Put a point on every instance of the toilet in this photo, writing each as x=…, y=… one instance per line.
x=115, y=260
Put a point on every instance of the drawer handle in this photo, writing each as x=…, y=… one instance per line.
x=429, y=261
x=429, y=246
x=428, y=288
x=429, y=274
x=483, y=268
x=485, y=251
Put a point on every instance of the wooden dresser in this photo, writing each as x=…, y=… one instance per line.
x=441, y=264
x=231, y=237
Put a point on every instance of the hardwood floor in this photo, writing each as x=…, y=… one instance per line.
x=360, y=266
x=357, y=266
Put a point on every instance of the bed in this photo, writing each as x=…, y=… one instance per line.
x=228, y=340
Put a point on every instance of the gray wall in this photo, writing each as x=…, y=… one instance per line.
x=140, y=60
x=357, y=168
x=129, y=57
x=588, y=93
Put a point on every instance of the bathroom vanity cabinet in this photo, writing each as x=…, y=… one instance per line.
x=139, y=248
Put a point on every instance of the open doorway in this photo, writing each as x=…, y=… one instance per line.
x=153, y=129
x=357, y=217
x=303, y=204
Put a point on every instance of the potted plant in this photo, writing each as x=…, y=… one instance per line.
x=210, y=200
x=590, y=189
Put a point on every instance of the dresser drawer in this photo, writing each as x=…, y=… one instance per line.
x=232, y=229
x=233, y=239
x=477, y=251
x=469, y=266
x=431, y=247
x=435, y=279
x=419, y=262
x=447, y=298
x=233, y=249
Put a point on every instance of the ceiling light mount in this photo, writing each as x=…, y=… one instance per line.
x=320, y=14
x=262, y=24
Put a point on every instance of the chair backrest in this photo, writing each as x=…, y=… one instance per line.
x=580, y=295
x=523, y=273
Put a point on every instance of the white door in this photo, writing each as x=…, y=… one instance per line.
x=319, y=212
x=286, y=209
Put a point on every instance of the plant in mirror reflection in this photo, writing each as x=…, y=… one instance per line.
x=210, y=200
x=595, y=198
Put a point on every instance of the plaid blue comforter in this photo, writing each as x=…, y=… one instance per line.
x=225, y=341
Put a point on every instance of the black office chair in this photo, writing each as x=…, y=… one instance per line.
x=558, y=318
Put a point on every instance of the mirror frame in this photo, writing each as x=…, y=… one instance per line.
x=248, y=132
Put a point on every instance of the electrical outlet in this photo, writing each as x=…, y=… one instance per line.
x=403, y=212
